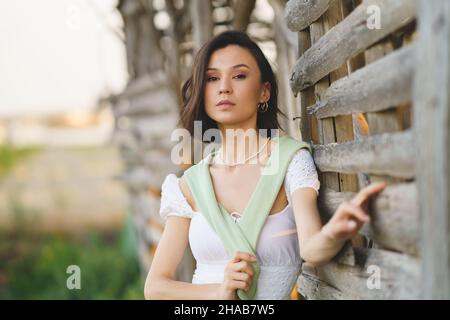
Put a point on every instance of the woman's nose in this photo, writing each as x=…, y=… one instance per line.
x=225, y=87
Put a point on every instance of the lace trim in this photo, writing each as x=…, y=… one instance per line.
x=301, y=173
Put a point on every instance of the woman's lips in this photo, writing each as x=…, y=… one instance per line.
x=225, y=106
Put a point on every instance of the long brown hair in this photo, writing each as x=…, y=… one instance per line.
x=193, y=108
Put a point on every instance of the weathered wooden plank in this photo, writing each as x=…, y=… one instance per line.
x=145, y=83
x=431, y=124
x=242, y=13
x=149, y=103
x=395, y=223
x=287, y=51
x=359, y=121
x=394, y=216
x=326, y=127
x=202, y=24
x=390, y=154
x=343, y=125
x=307, y=124
x=313, y=288
x=290, y=38
x=148, y=44
x=299, y=14
x=157, y=126
x=375, y=87
x=398, y=276
x=130, y=8
x=140, y=178
x=388, y=120
x=349, y=38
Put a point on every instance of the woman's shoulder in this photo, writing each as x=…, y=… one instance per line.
x=173, y=200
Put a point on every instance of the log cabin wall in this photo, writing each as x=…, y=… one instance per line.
x=359, y=79
x=146, y=113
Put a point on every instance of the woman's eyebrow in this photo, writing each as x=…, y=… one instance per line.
x=234, y=67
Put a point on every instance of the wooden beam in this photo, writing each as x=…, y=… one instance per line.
x=145, y=83
x=390, y=154
x=359, y=121
x=349, y=38
x=242, y=12
x=307, y=123
x=313, y=288
x=299, y=14
x=388, y=120
x=202, y=24
x=394, y=216
x=375, y=87
x=398, y=277
x=325, y=129
x=343, y=125
x=431, y=123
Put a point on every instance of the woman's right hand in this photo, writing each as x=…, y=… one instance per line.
x=238, y=275
x=350, y=216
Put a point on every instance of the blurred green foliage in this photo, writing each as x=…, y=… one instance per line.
x=34, y=267
x=10, y=155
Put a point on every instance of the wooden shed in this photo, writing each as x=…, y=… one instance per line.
x=367, y=82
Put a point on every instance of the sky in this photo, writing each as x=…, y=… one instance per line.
x=58, y=55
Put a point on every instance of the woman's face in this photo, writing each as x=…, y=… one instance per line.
x=233, y=74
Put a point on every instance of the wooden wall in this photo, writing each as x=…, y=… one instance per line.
x=356, y=91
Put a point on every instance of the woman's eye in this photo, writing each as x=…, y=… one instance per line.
x=241, y=76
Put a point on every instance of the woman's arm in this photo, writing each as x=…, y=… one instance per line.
x=160, y=283
x=319, y=244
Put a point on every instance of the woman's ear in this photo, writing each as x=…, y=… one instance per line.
x=265, y=92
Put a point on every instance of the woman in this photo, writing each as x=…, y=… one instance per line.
x=224, y=202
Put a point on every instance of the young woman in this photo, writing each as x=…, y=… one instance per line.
x=248, y=233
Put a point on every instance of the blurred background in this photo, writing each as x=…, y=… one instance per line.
x=89, y=94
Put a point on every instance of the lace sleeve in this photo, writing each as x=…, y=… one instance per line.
x=301, y=172
x=173, y=202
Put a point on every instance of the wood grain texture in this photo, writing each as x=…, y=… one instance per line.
x=432, y=144
x=347, y=39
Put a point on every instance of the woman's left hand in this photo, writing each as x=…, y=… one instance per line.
x=351, y=215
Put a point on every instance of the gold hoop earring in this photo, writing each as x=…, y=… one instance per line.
x=263, y=107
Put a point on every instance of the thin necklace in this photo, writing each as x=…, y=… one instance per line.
x=245, y=160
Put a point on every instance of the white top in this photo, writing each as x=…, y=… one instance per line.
x=277, y=249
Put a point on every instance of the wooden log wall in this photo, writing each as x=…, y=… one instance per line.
x=355, y=90
x=146, y=113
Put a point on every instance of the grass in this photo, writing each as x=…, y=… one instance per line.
x=35, y=267
x=10, y=156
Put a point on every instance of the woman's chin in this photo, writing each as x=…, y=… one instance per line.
x=229, y=121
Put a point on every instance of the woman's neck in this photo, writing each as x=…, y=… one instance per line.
x=242, y=148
